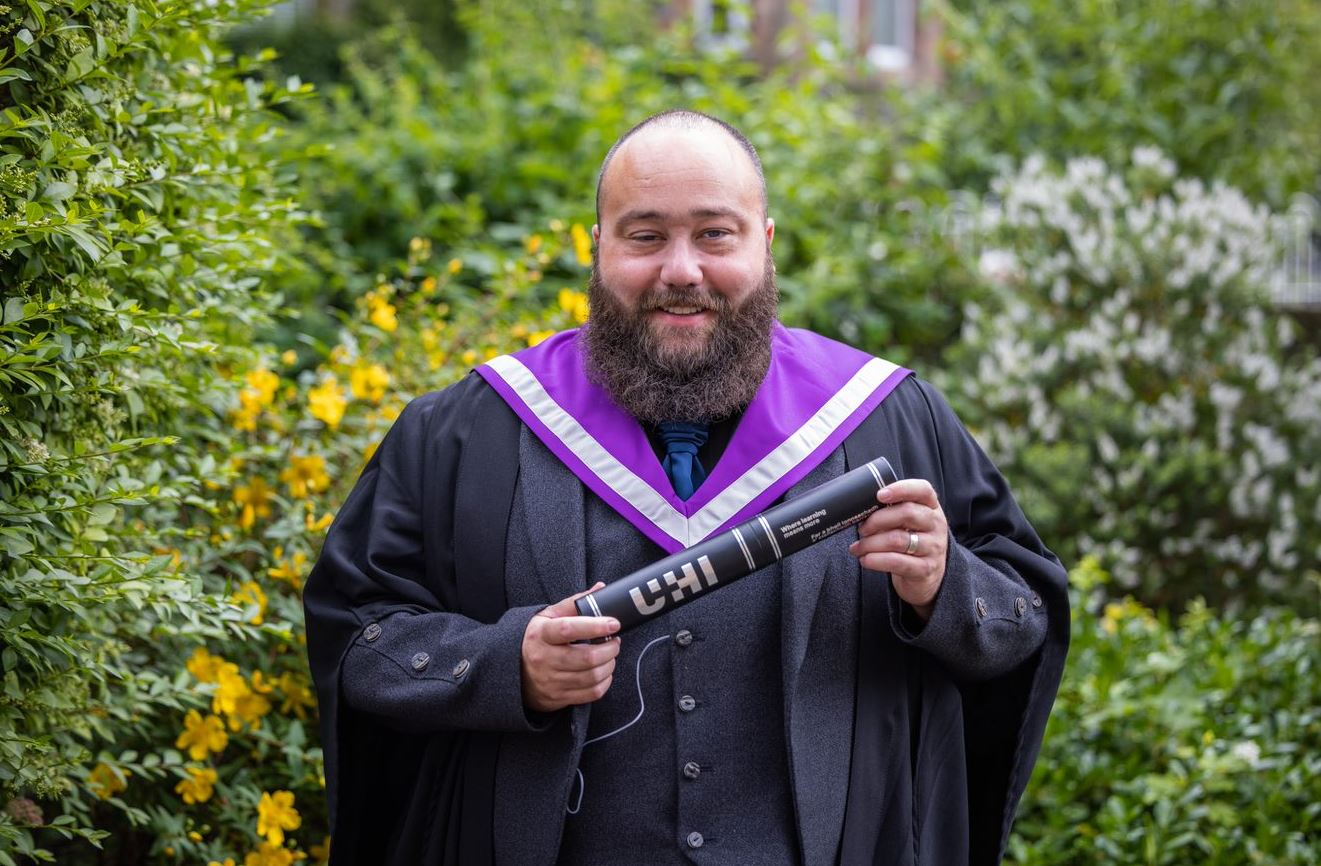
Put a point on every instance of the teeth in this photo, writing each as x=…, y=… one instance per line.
x=682, y=311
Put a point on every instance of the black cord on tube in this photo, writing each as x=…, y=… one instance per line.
x=770, y=536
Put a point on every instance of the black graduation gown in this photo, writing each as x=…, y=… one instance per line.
x=427, y=798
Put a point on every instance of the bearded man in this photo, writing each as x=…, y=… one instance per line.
x=877, y=698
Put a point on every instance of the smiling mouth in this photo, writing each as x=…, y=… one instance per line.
x=682, y=311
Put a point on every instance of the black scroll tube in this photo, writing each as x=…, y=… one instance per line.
x=770, y=536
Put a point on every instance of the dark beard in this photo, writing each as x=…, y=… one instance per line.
x=702, y=385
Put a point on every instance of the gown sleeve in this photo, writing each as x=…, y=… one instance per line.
x=387, y=647
x=991, y=613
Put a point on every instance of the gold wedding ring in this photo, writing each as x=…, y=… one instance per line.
x=912, y=543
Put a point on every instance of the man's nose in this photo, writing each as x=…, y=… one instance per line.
x=682, y=265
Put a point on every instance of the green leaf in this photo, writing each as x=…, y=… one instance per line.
x=102, y=513
x=14, y=309
x=89, y=244
x=80, y=64
x=59, y=191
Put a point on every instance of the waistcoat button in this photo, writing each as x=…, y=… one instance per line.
x=420, y=662
x=691, y=770
x=684, y=637
x=460, y=669
x=372, y=632
x=687, y=704
x=695, y=840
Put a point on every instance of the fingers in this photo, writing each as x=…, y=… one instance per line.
x=889, y=551
x=569, y=629
x=565, y=606
x=917, y=490
x=559, y=668
x=911, y=504
x=906, y=515
x=909, y=539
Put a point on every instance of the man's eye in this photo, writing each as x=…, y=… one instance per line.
x=645, y=237
x=715, y=234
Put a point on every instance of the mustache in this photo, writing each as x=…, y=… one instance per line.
x=656, y=299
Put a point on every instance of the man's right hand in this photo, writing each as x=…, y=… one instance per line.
x=557, y=672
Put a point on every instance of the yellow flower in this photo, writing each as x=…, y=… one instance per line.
x=582, y=244
x=321, y=852
x=317, y=524
x=455, y=265
x=202, y=736
x=255, y=499
x=369, y=381
x=532, y=244
x=289, y=570
x=327, y=403
x=369, y=451
x=275, y=814
x=419, y=249
x=260, y=685
x=250, y=709
x=381, y=312
x=195, y=836
x=245, y=417
x=237, y=700
x=105, y=781
x=539, y=336
x=574, y=303
x=197, y=787
x=229, y=861
x=427, y=286
x=230, y=687
x=288, y=357
x=272, y=855
x=298, y=698
x=264, y=383
x=250, y=594
x=305, y=475
x=203, y=665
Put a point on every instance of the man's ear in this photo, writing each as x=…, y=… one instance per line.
x=770, y=231
x=596, y=233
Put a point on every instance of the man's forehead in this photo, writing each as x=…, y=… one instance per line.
x=707, y=163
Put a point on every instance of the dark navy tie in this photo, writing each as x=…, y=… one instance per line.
x=681, y=443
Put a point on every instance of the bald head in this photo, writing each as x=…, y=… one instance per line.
x=683, y=120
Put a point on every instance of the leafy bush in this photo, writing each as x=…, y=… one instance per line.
x=479, y=157
x=216, y=757
x=136, y=219
x=1133, y=380
x=1219, y=87
x=1196, y=740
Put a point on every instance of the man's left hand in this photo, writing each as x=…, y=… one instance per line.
x=909, y=538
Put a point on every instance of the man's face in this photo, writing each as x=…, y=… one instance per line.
x=682, y=238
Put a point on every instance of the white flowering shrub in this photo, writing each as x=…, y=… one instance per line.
x=1131, y=378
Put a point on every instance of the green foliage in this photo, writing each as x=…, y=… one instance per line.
x=1220, y=87
x=136, y=219
x=166, y=477
x=479, y=157
x=1131, y=378
x=1196, y=740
